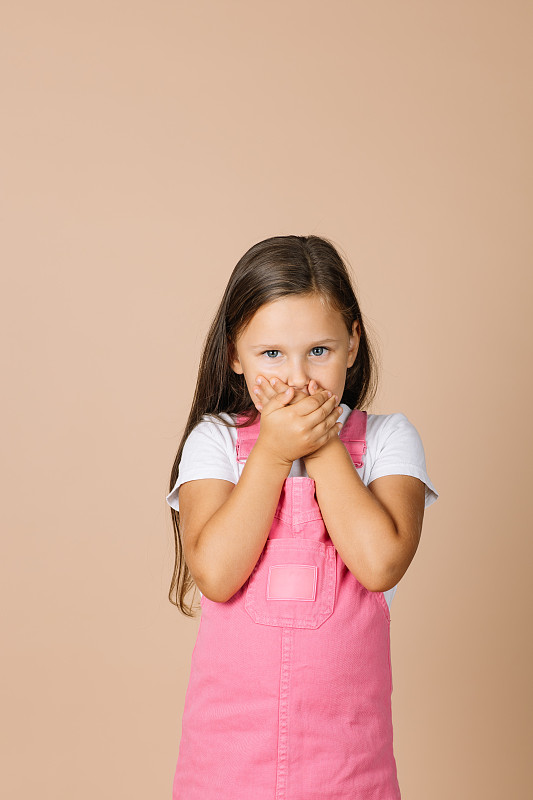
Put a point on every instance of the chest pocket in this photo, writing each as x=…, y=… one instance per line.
x=293, y=584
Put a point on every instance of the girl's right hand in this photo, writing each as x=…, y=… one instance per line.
x=289, y=431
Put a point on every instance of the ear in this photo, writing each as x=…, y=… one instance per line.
x=234, y=360
x=354, y=343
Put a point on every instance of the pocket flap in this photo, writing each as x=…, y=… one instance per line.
x=293, y=584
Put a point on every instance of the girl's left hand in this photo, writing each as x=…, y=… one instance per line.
x=267, y=388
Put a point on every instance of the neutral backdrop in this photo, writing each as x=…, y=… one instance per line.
x=145, y=146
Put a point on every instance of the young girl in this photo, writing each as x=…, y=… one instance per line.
x=299, y=514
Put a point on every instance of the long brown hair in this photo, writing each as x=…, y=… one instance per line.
x=269, y=270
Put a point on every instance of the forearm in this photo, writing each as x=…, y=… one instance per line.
x=362, y=530
x=233, y=538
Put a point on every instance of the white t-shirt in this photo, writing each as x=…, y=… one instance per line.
x=394, y=447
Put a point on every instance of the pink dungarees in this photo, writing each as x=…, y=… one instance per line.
x=289, y=696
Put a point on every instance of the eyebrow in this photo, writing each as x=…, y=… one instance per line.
x=277, y=347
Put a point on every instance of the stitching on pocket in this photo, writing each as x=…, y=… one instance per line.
x=292, y=612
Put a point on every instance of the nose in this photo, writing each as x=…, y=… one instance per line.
x=301, y=388
x=298, y=378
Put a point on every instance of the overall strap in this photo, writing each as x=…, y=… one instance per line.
x=353, y=436
x=246, y=437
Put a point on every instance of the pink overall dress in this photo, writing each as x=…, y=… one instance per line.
x=289, y=695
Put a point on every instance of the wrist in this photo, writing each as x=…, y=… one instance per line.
x=319, y=456
x=268, y=457
x=332, y=444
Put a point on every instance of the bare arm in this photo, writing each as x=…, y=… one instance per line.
x=376, y=529
x=222, y=551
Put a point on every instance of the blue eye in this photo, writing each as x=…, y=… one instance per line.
x=318, y=347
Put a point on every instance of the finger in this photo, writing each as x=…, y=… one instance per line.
x=281, y=398
x=318, y=413
x=297, y=394
x=278, y=385
x=332, y=426
x=268, y=386
x=333, y=430
x=267, y=393
x=322, y=396
x=336, y=428
x=262, y=389
x=314, y=388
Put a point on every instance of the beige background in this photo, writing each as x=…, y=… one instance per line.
x=145, y=146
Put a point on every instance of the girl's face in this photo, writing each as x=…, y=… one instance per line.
x=297, y=339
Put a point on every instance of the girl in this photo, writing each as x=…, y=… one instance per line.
x=299, y=514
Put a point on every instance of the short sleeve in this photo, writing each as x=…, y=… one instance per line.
x=399, y=451
x=205, y=454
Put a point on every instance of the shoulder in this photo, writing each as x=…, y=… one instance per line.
x=384, y=429
x=394, y=447
x=213, y=427
x=208, y=452
x=209, y=437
